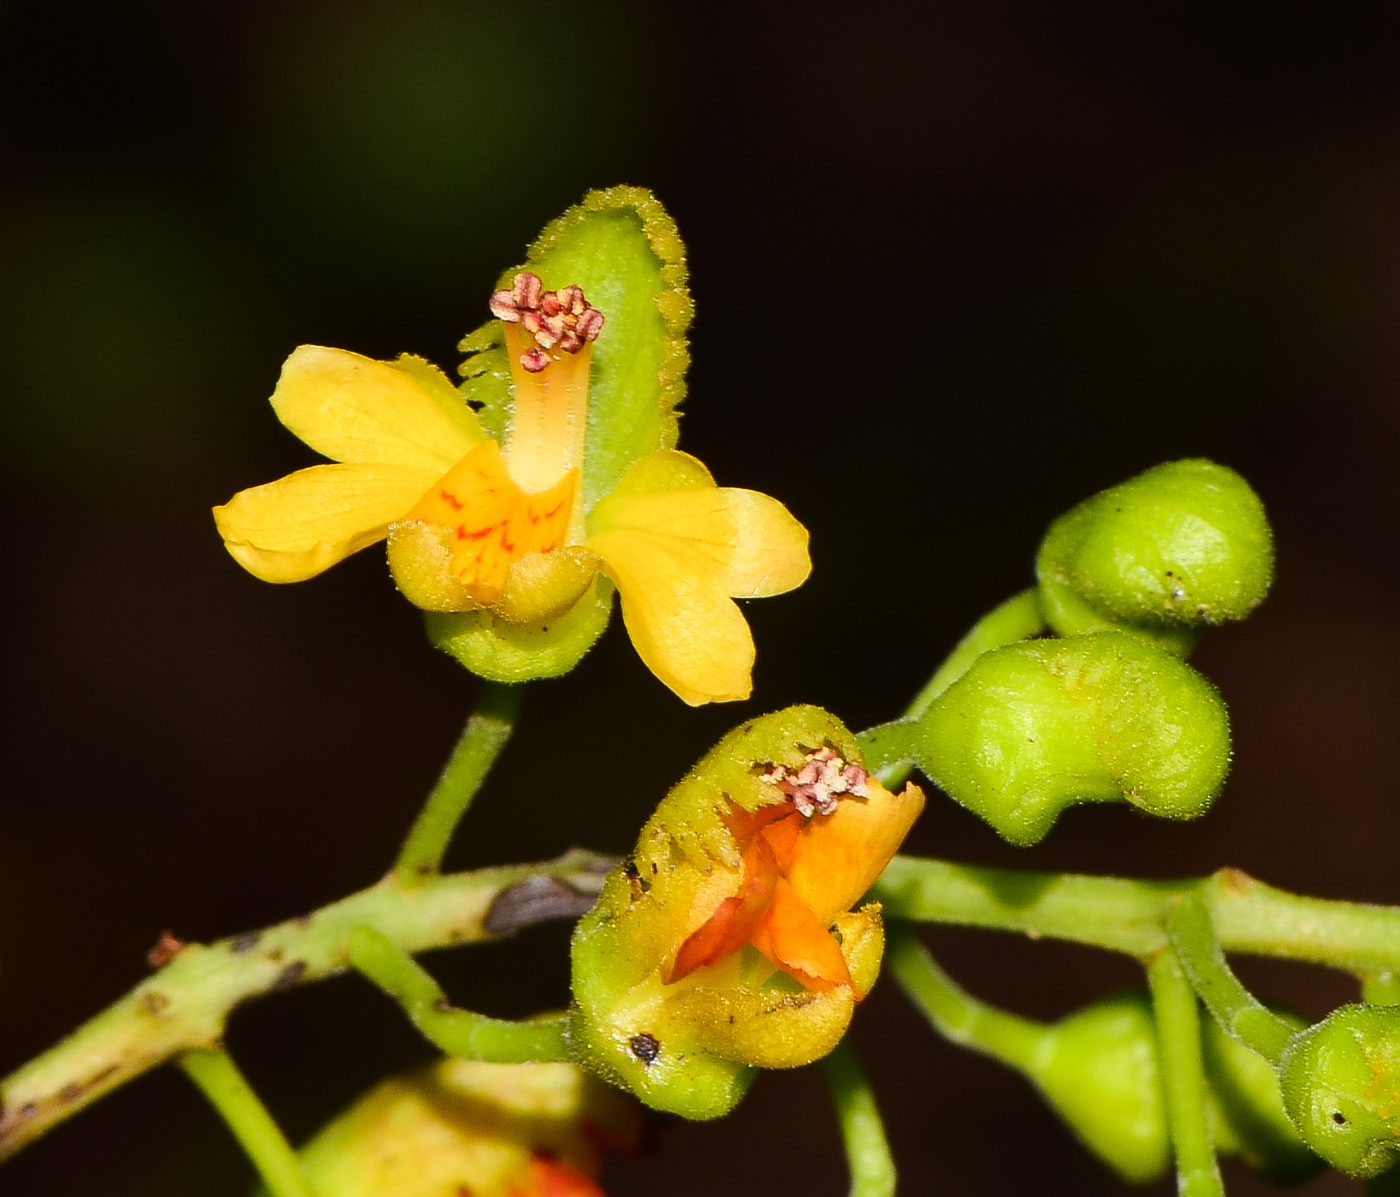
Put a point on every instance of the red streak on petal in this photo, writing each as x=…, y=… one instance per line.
x=736, y=919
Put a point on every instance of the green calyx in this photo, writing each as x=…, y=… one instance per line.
x=501, y=651
x=1341, y=1088
x=1036, y=727
x=1181, y=547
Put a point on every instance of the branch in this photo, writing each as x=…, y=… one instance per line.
x=186, y=1004
x=1130, y=916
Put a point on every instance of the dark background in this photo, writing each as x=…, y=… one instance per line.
x=957, y=265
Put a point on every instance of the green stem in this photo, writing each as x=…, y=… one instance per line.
x=862, y=1131
x=230, y=1094
x=1130, y=916
x=954, y=1013
x=187, y=1003
x=480, y=744
x=459, y=1033
x=886, y=750
x=1237, y=1010
x=1183, y=1077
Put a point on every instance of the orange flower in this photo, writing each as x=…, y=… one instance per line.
x=804, y=862
x=729, y=939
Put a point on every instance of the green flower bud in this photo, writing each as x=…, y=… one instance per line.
x=727, y=942
x=1178, y=548
x=1035, y=727
x=1249, y=1120
x=1341, y=1088
x=1098, y=1070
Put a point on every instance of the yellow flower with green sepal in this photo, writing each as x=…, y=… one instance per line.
x=514, y=505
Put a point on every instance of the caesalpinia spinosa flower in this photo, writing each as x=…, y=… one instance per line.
x=463, y=1127
x=515, y=505
x=727, y=940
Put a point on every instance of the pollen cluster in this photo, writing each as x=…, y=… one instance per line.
x=561, y=319
x=822, y=780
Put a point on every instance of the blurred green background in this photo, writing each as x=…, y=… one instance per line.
x=1007, y=253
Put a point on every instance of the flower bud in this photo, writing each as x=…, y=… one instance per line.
x=726, y=941
x=461, y=1126
x=1178, y=548
x=1249, y=1120
x=1035, y=727
x=1098, y=1070
x=1341, y=1087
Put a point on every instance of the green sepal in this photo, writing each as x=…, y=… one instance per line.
x=1180, y=547
x=1036, y=727
x=1341, y=1088
x=682, y=1047
x=622, y=247
x=1249, y=1120
x=501, y=651
x=486, y=384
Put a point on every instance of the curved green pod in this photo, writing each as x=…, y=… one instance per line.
x=1036, y=727
x=1341, y=1087
x=1181, y=547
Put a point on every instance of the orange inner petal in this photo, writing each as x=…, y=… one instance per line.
x=493, y=521
x=735, y=919
x=794, y=939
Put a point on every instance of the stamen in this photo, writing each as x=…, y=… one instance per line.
x=562, y=319
x=822, y=780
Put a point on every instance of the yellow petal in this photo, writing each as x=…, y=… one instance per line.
x=748, y=544
x=294, y=528
x=684, y=627
x=354, y=409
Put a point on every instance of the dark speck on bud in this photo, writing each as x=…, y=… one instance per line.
x=645, y=1047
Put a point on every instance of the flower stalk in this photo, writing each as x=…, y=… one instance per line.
x=487, y=731
x=228, y=1091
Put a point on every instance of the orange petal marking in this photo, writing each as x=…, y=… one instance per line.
x=550, y=1178
x=794, y=939
x=492, y=520
x=735, y=919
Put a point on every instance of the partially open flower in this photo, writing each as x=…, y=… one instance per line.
x=515, y=540
x=464, y=1127
x=727, y=940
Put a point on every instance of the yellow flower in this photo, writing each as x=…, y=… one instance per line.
x=476, y=524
